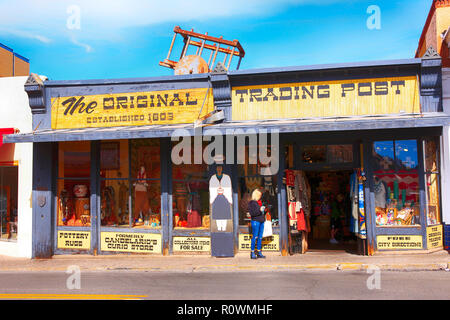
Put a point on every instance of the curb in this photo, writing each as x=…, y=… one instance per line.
x=444, y=266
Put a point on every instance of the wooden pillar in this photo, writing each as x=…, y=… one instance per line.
x=43, y=200
x=282, y=201
x=368, y=246
x=95, y=197
x=166, y=182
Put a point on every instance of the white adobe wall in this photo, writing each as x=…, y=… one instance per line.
x=446, y=148
x=16, y=113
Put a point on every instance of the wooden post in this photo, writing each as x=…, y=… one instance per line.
x=165, y=225
x=214, y=59
x=95, y=197
x=186, y=47
x=171, y=46
x=231, y=57
x=282, y=202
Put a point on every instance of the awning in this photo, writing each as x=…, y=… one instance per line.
x=5, y=131
x=235, y=128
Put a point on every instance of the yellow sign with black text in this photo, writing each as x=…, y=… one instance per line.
x=359, y=97
x=131, y=109
x=268, y=243
x=130, y=242
x=435, y=237
x=399, y=242
x=192, y=244
x=74, y=240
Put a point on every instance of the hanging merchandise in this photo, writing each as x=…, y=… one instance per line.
x=268, y=186
x=123, y=203
x=193, y=219
x=362, y=214
x=380, y=193
x=298, y=196
x=354, y=203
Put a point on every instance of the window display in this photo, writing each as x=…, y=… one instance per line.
x=432, y=154
x=314, y=154
x=114, y=183
x=73, y=184
x=332, y=154
x=146, y=183
x=396, y=183
x=8, y=202
x=250, y=177
x=190, y=190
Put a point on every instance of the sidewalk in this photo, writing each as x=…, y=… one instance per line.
x=331, y=261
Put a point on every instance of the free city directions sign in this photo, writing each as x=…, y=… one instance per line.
x=131, y=109
x=326, y=99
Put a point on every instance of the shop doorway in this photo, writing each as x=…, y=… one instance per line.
x=331, y=221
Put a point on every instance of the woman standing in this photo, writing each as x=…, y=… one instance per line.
x=256, y=210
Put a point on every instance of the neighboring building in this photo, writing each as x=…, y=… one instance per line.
x=12, y=64
x=435, y=40
x=15, y=170
x=446, y=156
x=436, y=32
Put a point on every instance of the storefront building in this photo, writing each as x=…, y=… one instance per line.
x=111, y=173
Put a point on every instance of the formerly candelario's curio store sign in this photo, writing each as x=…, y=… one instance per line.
x=131, y=109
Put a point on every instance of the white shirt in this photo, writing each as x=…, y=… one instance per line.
x=215, y=184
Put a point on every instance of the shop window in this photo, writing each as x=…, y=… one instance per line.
x=114, y=183
x=383, y=155
x=130, y=183
x=8, y=202
x=330, y=154
x=340, y=153
x=396, y=183
x=432, y=177
x=253, y=175
x=73, y=184
x=289, y=156
x=190, y=192
x=406, y=154
x=314, y=154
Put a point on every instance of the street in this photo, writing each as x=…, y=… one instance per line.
x=285, y=285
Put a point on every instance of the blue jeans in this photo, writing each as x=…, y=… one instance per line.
x=257, y=231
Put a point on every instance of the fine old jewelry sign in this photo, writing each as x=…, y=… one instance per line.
x=74, y=240
x=192, y=244
x=131, y=109
x=131, y=242
x=326, y=99
x=268, y=243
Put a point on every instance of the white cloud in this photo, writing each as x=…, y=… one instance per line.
x=25, y=34
x=104, y=19
x=86, y=47
x=117, y=14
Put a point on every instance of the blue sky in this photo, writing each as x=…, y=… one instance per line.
x=128, y=38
